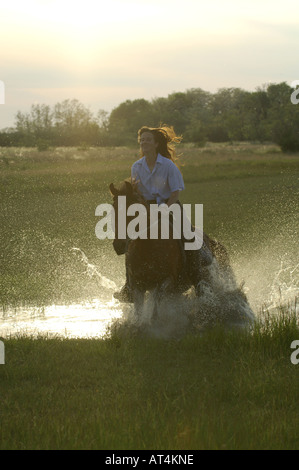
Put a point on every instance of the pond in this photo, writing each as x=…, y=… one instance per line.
x=91, y=319
x=81, y=320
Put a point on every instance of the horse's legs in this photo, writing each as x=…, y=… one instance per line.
x=166, y=288
x=138, y=299
x=156, y=297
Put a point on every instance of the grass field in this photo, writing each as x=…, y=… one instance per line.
x=48, y=202
x=221, y=390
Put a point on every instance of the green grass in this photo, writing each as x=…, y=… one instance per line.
x=48, y=202
x=221, y=390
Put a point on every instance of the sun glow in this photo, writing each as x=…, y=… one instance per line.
x=74, y=32
x=63, y=31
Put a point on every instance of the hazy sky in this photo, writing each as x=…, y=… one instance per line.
x=104, y=52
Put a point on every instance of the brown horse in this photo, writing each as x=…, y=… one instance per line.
x=154, y=265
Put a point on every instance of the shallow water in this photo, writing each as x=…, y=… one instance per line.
x=81, y=320
x=91, y=319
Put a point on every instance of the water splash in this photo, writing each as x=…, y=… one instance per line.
x=93, y=272
x=221, y=302
x=272, y=279
x=285, y=286
x=82, y=319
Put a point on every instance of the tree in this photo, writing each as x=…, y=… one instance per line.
x=256, y=109
x=127, y=118
x=283, y=117
x=229, y=114
x=74, y=123
x=36, y=125
x=69, y=123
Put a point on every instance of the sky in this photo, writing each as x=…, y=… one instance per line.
x=105, y=52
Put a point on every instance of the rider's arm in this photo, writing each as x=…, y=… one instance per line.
x=174, y=197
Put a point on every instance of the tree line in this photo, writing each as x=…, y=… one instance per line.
x=231, y=114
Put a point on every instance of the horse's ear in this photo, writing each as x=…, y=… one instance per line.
x=113, y=190
x=129, y=188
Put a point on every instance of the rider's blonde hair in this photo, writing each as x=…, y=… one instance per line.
x=166, y=139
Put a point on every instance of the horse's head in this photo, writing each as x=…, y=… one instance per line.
x=132, y=196
x=126, y=188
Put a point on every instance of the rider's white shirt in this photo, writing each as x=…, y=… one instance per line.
x=159, y=183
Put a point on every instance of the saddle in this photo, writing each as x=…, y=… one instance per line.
x=121, y=246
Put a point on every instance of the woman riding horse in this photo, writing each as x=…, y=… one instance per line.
x=159, y=180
